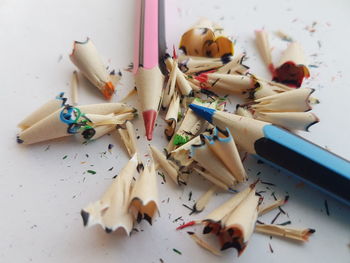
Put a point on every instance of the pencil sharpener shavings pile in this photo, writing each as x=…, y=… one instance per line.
x=204, y=73
x=233, y=222
x=125, y=202
x=280, y=101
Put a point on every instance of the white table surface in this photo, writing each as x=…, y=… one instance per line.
x=41, y=194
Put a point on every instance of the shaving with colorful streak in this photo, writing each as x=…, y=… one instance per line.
x=86, y=58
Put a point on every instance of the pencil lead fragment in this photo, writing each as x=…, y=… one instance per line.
x=85, y=217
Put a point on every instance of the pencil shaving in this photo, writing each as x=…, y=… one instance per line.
x=263, y=88
x=282, y=35
x=206, y=39
x=111, y=119
x=287, y=232
x=244, y=112
x=74, y=87
x=144, y=196
x=240, y=224
x=45, y=129
x=181, y=155
x=166, y=165
x=92, y=130
x=219, y=214
x=234, y=221
x=170, y=86
x=224, y=83
x=183, y=84
x=172, y=116
x=235, y=66
x=111, y=211
x=99, y=131
x=296, y=100
x=128, y=136
x=289, y=120
x=211, y=162
x=223, y=145
x=211, y=178
x=190, y=126
x=262, y=42
x=71, y=120
x=200, y=242
x=205, y=198
x=291, y=69
x=42, y=112
x=86, y=58
x=181, y=81
x=191, y=65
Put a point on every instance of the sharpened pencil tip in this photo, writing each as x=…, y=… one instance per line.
x=149, y=118
x=204, y=112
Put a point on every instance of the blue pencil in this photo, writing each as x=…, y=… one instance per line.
x=286, y=151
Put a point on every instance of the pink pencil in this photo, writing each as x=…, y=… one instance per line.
x=148, y=77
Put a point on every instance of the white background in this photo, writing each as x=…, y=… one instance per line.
x=41, y=193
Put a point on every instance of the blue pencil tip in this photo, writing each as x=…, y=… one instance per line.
x=204, y=112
